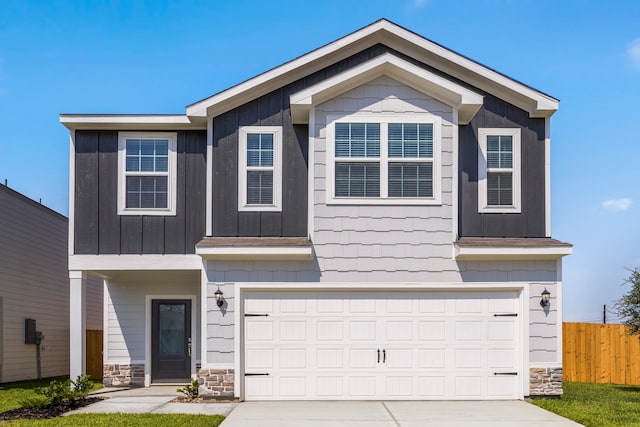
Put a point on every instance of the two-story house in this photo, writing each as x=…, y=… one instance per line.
x=370, y=220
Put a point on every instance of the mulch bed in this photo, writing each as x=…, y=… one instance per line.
x=46, y=412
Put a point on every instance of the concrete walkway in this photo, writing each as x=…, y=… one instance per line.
x=393, y=414
x=155, y=400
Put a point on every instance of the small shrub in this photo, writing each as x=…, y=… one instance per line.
x=191, y=390
x=57, y=391
x=81, y=387
x=34, y=402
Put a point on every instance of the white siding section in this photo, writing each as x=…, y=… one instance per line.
x=126, y=320
x=33, y=284
x=376, y=243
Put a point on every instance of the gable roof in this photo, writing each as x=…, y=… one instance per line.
x=466, y=101
x=536, y=103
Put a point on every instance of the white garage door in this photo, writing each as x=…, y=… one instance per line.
x=348, y=345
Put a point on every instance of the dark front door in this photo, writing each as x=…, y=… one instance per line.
x=171, y=340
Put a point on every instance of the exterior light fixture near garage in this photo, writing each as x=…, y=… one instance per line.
x=219, y=297
x=546, y=296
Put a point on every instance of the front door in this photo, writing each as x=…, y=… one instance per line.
x=171, y=340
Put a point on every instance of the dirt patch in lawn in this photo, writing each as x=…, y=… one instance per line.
x=48, y=411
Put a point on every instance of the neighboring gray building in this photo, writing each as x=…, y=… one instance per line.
x=370, y=220
x=34, y=284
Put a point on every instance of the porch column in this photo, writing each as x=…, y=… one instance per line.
x=77, y=324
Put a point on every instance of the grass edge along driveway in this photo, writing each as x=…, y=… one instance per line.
x=596, y=405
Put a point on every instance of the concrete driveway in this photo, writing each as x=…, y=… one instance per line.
x=393, y=414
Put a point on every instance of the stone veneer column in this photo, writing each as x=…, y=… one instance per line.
x=216, y=382
x=117, y=375
x=545, y=381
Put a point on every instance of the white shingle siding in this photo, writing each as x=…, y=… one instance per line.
x=383, y=243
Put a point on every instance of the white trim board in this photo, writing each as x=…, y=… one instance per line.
x=131, y=122
x=256, y=252
x=135, y=262
x=509, y=253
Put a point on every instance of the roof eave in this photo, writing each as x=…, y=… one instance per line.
x=132, y=122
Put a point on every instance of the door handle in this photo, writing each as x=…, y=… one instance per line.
x=189, y=346
x=378, y=355
x=384, y=356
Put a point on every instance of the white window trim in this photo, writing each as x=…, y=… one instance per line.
x=483, y=206
x=277, y=169
x=172, y=137
x=384, y=160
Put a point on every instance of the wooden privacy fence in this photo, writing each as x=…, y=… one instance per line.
x=598, y=353
x=94, y=354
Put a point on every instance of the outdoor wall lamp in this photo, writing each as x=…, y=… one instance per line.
x=546, y=296
x=219, y=297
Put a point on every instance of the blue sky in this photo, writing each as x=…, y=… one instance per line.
x=157, y=57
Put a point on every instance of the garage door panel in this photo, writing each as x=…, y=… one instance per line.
x=431, y=358
x=362, y=358
x=501, y=358
x=330, y=358
x=259, y=358
x=501, y=386
x=468, y=386
x=468, y=358
x=330, y=330
x=438, y=345
x=293, y=330
x=293, y=358
x=293, y=386
x=469, y=330
x=330, y=386
x=501, y=331
x=363, y=386
x=432, y=305
x=362, y=330
x=398, y=330
x=432, y=331
x=258, y=330
x=432, y=387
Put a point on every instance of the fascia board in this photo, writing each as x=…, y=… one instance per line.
x=255, y=253
x=398, y=38
x=131, y=122
x=387, y=64
x=503, y=253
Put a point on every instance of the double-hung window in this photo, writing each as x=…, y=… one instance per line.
x=499, y=188
x=383, y=160
x=147, y=173
x=260, y=168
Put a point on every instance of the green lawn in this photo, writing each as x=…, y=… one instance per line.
x=138, y=420
x=13, y=393
x=597, y=405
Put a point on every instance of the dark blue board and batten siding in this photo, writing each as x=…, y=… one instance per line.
x=98, y=227
x=496, y=113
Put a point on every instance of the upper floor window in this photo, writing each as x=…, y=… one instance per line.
x=383, y=160
x=260, y=168
x=146, y=173
x=499, y=175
